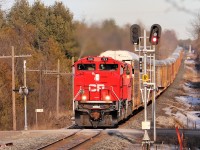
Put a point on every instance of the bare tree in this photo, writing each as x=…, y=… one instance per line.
x=195, y=31
x=196, y=27
x=177, y=6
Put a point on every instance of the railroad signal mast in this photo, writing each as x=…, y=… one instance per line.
x=24, y=91
x=147, y=72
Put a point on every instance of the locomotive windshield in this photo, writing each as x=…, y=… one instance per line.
x=86, y=67
x=108, y=66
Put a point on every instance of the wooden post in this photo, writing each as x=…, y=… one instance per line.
x=40, y=88
x=36, y=119
x=25, y=99
x=13, y=87
x=72, y=78
x=73, y=102
x=58, y=88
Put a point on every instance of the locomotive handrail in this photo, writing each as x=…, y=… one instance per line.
x=115, y=93
x=117, y=98
x=79, y=92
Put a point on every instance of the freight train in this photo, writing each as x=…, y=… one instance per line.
x=107, y=89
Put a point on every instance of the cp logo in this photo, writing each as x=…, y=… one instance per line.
x=96, y=87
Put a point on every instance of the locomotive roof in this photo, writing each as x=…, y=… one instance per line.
x=96, y=59
x=120, y=55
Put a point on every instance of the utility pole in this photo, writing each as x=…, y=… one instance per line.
x=73, y=102
x=40, y=88
x=49, y=72
x=54, y=72
x=25, y=99
x=58, y=73
x=58, y=88
x=13, y=56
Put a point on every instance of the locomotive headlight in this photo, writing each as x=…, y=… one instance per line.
x=104, y=59
x=84, y=97
x=107, y=97
x=90, y=59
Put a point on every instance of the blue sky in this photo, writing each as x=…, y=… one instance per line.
x=148, y=12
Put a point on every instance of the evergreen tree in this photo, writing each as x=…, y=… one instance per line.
x=19, y=14
x=61, y=27
x=2, y=19
x=38, y=18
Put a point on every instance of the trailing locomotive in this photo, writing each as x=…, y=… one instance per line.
x=106, y=88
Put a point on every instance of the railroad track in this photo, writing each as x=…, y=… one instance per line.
x=72, y=141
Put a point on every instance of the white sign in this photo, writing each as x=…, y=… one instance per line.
x=39, y=110
x=146, y=125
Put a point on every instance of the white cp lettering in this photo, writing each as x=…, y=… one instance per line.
x=96, y=87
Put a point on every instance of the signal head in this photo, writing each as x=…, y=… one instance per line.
x=135, y=33
x=155, y=34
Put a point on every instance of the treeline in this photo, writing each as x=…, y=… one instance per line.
x=49, y=33
x=94, y=39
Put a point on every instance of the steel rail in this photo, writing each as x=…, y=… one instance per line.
x=72, y=141
x=45, y=146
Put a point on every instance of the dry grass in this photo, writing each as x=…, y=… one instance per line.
x=52, y=122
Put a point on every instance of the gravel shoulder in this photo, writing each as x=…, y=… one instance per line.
x=31, y=140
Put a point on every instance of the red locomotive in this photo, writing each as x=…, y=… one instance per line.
x=103, y=89
x=106, y=89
